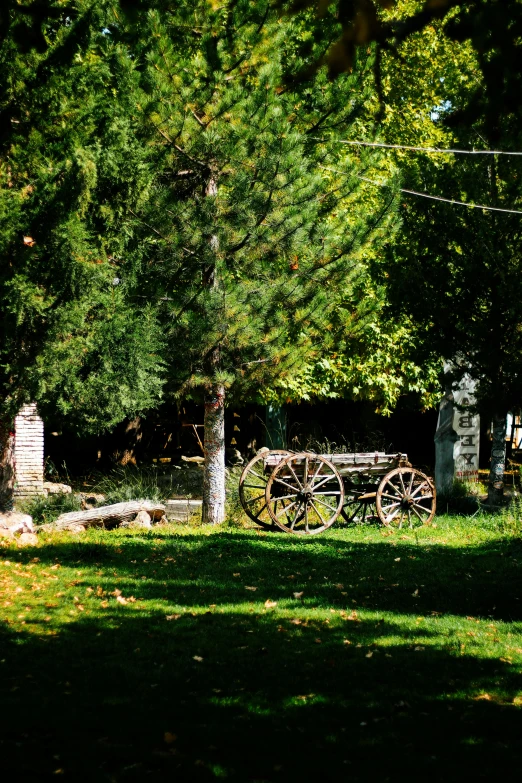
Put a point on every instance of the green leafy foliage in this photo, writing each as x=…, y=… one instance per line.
x=71, y=165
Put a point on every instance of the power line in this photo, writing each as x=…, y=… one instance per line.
x=427, y=195
x=426, y=149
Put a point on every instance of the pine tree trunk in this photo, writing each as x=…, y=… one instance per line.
x=498, y=461
x=213, y=510
x=214, y=469
x=7, y=466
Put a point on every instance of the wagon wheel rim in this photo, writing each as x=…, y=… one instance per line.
x=252, y=485
x=304, y=494
x=406, y=498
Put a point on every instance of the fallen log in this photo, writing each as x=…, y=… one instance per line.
x=108, y=516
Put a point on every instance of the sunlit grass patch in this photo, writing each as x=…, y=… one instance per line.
x=231, y=640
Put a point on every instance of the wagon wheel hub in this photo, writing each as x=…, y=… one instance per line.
x=306, y=495
x=407, y=502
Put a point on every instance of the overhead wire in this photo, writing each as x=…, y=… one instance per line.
x=425, y=195
x=426, y=149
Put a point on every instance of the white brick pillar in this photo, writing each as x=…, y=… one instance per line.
x=29, y=452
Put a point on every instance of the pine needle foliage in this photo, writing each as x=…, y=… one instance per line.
x=255, y=246
x=72, y=165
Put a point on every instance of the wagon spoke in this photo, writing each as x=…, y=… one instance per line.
x=397, y=493
x=418, y=489
x=328, y=492
x=318, y=513
x=305, y=474
x=285, y=509
x=255, y=486
x=392, y=505
x=296, y=517
x=389, y=519
x=253, y=500
x=400, y=520
x=325, y=479
x=307, y=529
x=390, y=497
x=286, y=497
x=402, y=484
x=327, y=505
x=414, y=509
x=294, y=475
x=411, y=482
x=286, y=484
x=320, y=465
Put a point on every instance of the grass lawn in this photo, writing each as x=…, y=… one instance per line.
x=200, y=654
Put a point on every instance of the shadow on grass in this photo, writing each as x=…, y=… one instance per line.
x=271, y=699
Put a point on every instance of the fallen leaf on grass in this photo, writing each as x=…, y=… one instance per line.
x=197, y=658
x=419, y=649
x=121, y=600
x=415, y=593
x=172, y=617
x=299, y=595
x=397, y=559
x=296, y=622
x=346, y=641
x=169, y=737
x=270, y=604
x=369, y=655
x=250, y=588
x=104, y=604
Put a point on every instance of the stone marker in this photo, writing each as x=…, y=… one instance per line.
x=458, y=434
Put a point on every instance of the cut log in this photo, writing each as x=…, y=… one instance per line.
x=109, y=516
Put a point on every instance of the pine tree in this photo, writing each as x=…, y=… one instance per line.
x=252, y=239
x=72, y=165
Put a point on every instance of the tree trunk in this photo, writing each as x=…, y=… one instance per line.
x=498, y=461
x=7, y=466
x=213, y=509
x=214, y=471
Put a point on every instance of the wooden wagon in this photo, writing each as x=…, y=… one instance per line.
x=306, y=493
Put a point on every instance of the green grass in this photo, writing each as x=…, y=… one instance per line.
x=359, y=656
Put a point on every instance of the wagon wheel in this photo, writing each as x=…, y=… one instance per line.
x=252, y=485
x=406, y=495
x=304, y=494
x=357, y=508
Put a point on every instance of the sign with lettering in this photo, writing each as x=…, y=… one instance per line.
x=467, y=428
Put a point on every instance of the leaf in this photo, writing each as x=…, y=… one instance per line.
x=197, y=658
x=172, y=617
x=397, y=559
x=299, y=595
x=121, y=600
x=270, y=604
x=29, y=241
x=250, y=588
x=369, y=655
x=416, y=593
x=104, y=604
